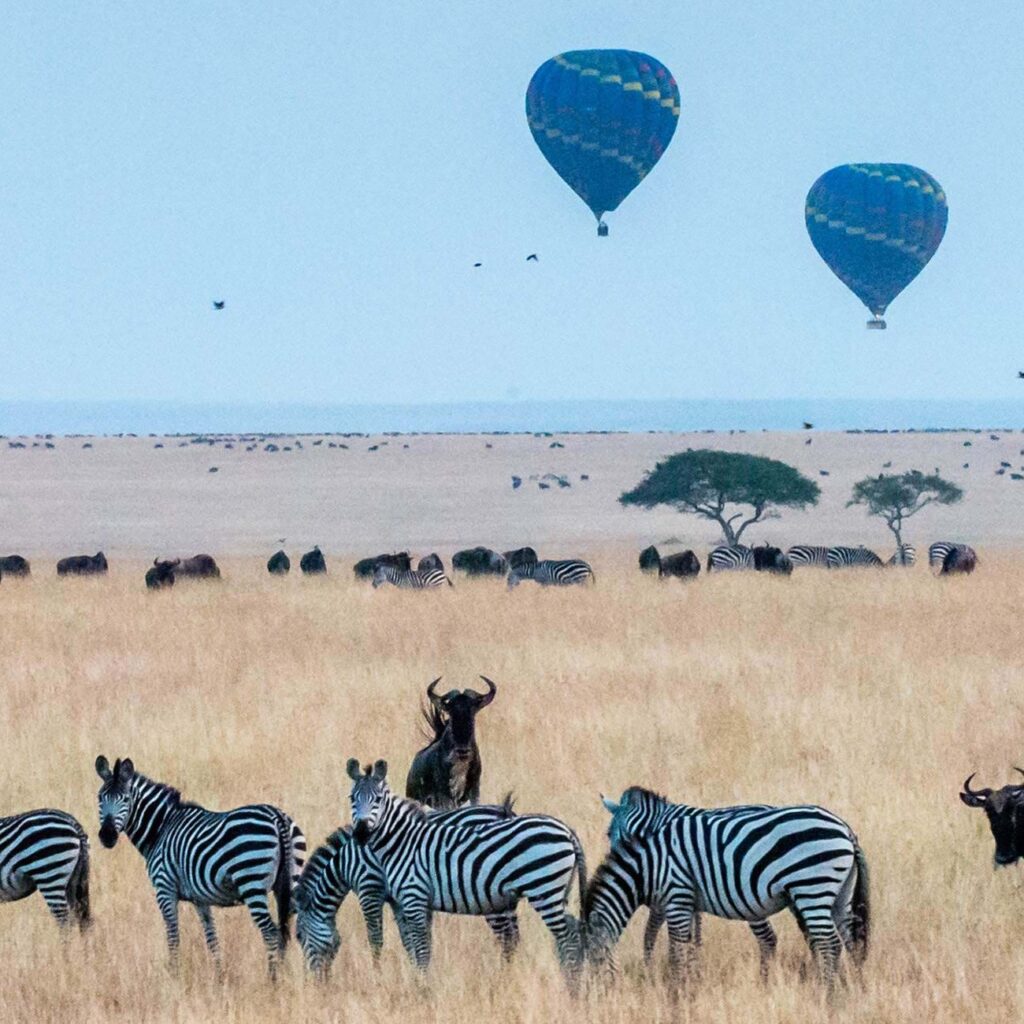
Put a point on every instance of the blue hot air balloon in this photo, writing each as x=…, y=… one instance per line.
x=602, y=118
x=876, y=226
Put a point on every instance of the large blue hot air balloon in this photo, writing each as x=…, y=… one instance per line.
x=876, y=226
x=602, y=118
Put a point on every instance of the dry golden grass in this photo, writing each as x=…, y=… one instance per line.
x=871, y=693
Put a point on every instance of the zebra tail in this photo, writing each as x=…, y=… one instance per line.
x=861, y=909
x=581, y=878
x=284, y=879
x=78, y=886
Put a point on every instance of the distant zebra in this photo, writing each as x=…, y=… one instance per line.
x=947, y=556
x=550, y=573
x=342, y=865
x=206, y=858
x=905, y=555
x=410, y=579
x=808, y=554
x=483, y=870
x=46, y=850
x=851, y=558
x=746, y=865
x=726, y=559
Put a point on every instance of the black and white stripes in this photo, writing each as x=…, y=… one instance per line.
x=726, y=559
x=551, y=573
x=410, y=579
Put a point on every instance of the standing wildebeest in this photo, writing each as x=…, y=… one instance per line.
x=83, y=565
x=447, y=772
x=480, y=561
x=1003, y=807
x=958, y=559
x=279, y=564
x=312, y=562
x=14, y=565
x=365, y=567
x=769, y=559
x=681, y=565
x=160, y=574
x=430, y=563
x=521, y=556
x=650, y=560
x=198, y=567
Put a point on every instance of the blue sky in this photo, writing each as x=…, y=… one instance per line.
x=333, y=171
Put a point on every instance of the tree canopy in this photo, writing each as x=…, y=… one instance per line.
x=710, y=483
x=895, y=497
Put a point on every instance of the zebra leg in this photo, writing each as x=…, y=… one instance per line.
x=168, y=903
x=766, y=943
x=414, y=929
x=210, y=934
x=815, y=914
x=655, y=919
x=506, y=930
x=567, y=933
x=57, y=902
x=372, y=905
x=683, y=936
x=259, y=911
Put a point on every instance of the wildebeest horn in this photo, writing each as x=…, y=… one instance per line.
x=430, y=690
x=156, y=561
x=974, y=797
x=486, y=698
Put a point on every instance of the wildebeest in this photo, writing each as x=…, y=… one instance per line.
x=197, y=567
x=771, y=559
x=430, y=563
x=959, y=559
x=365, y=567
x=279, y=564
x=14, y=565
x=312, y=562
x=1003, y=808
x=681, y=565
x=480, y=561
x=520, y=556
x=83, y=565
x=160, y=574
x=447, y=772
x=650, y=560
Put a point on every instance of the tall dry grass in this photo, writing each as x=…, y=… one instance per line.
x=871, y=693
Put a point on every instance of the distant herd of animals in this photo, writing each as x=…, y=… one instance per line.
x=522, y=564
x=437, y=850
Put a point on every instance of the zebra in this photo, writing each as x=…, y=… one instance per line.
x=722, y=559
x=848, y=558
x=942, y=549
x=809, y=554
x=483, y=870
x=410, y=579
x=905, y=556
x=552, y=573
x=46, y=850
x=206, y=858
x=747, y=864
x=342, y=864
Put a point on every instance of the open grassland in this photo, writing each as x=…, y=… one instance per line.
x=872, y=693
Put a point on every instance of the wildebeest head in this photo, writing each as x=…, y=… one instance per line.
x=161, y=574
x=115, y=797
x=460, y=708
x=369, y=796
x=1005, y=810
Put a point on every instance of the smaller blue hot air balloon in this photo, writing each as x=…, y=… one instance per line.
x=876, y=226
x=602, y=118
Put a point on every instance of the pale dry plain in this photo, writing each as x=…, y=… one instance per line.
x=874, y=694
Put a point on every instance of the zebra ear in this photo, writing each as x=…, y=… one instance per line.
x=352, y=767
x=103, y=768
x=125, y=770
x=380, y=770
x=609, y=805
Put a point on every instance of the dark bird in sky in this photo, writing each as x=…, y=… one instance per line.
x=886, y=465
x=218, y=304
x=808, y=426
x=533, y=256
x=477, y=264
x=1020, y=373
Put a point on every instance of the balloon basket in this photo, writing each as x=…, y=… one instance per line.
x=876, y=324
x=602, y=229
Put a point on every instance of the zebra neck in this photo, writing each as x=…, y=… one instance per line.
x=400, y=823
x=153, y=803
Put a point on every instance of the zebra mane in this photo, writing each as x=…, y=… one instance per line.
x=640, y=795
x=318, y=860
x=166, y=790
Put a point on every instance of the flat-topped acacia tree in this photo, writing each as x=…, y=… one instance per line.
x=717, y=485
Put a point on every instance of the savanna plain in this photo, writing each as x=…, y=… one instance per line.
x=873, y=693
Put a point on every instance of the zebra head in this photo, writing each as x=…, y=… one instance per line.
x=115, y=797
x=369, y=797
x=317, y=899
x=1005, y=810
x=633, y=814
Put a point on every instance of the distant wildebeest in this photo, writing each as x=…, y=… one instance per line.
x=520, y=556
x=650, y=560
x=14, y=565
x=447, y=772
x=312, y=562
x=681, y=565
x=83, y=565
x=430, y=563
x=160, y=574
x=279, y=564
x=365, y=567
x=771, y=559
x=480, y=561
x=1003, y=807
x=196, y=567
x=950, y=558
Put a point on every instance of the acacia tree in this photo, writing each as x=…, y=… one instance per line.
x=710, y=484
x=895, y=497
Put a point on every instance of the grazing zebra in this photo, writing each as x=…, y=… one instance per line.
x=410, y=579
x=960, y=556
x=744, y=865
x=342, y=864
x=482, y=870
x=851, y=558
x=809, y=554
x=206, y=858
x=724, y=559
x=550, y=573
x=46, y=850
x=905, y=555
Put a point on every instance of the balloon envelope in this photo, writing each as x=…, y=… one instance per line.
x=876, y=226
x=602, y=118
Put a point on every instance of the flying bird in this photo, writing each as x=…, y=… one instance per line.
x=1020, y=373
x=533, y=256
x=477, y=264
x=808, y=426
x=218, y=304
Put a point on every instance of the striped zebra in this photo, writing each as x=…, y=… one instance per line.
x=206, y=858
x=747, y=864
x=942, y=549
x=725, y=559
x=549, y=573
x=410, y=579
x=342, y=865
x=852, y=558
x=809, y=554
x=905, y=556
x=48, y=851
x=482, y=870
